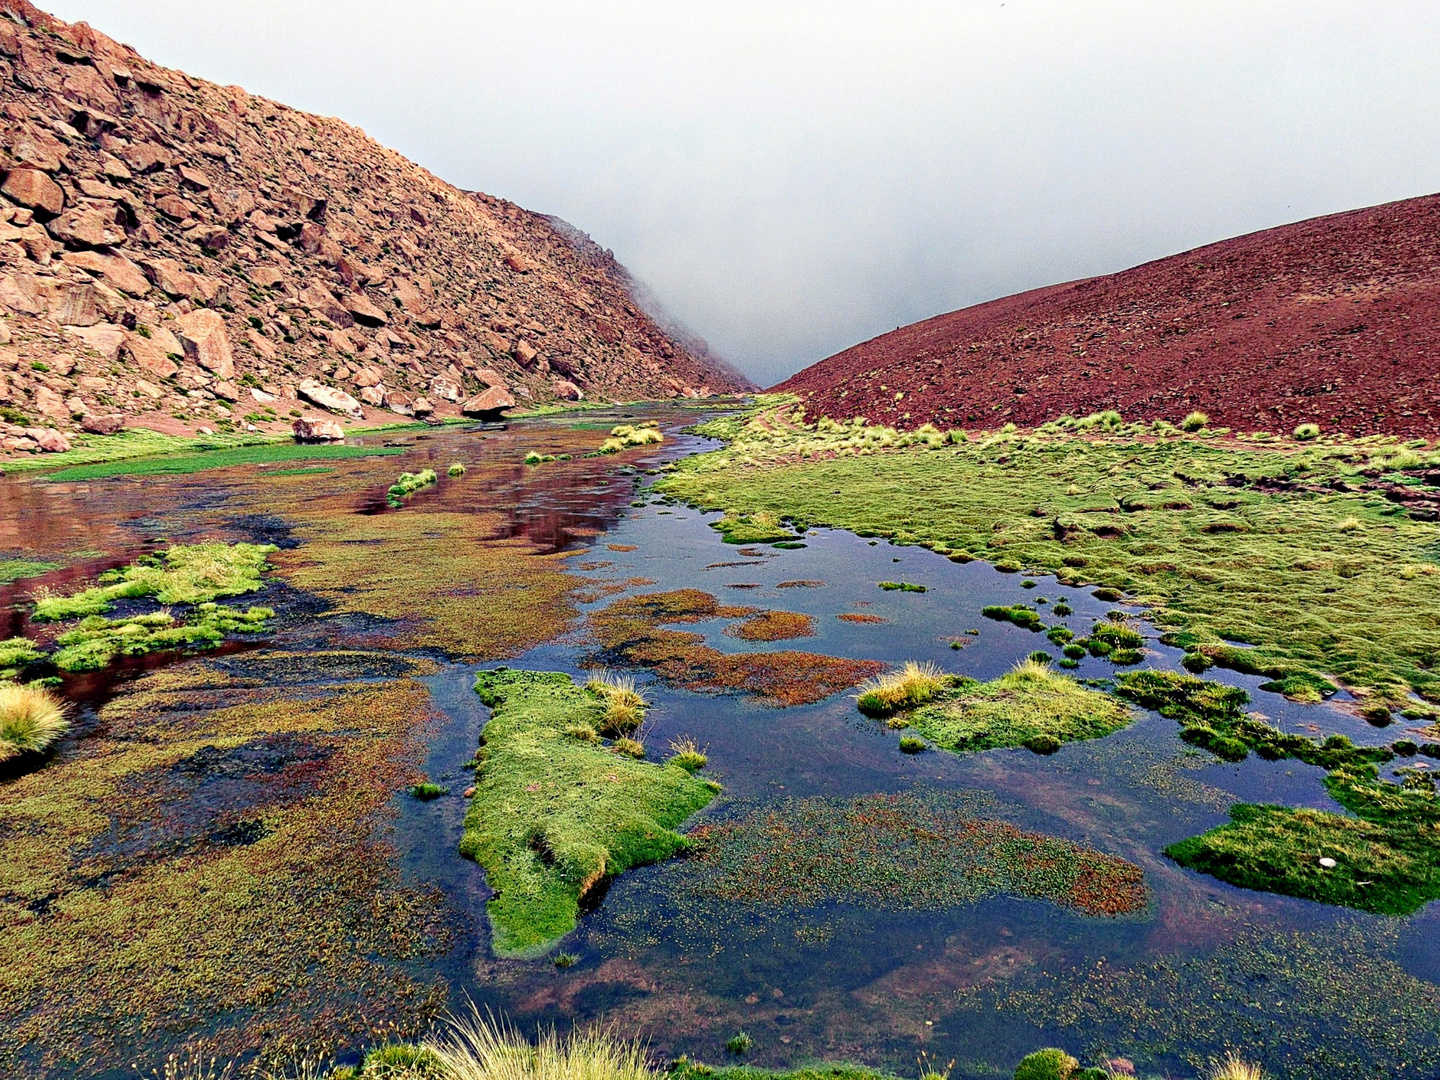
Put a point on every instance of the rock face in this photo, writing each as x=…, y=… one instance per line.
x=489, y=404
x=1334, y=321
x=225, y=243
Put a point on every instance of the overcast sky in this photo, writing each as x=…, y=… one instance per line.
x=791, y=178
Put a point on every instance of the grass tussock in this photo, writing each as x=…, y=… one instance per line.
x=477, y=1048
x=904, y=688
x=456, y=469
x=31, y=720
x=1233, y=1067
x=688, y=754
x=624, y=705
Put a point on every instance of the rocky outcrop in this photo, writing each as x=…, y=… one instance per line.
x=187, y=245
x=310, y=429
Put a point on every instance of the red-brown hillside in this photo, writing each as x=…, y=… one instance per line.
x=1334, y=320
x=181, y=255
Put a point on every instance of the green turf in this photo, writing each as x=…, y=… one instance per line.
x=181, y=464
x=182, y=574
x=1030, y=706
x=1273, y=544
x=96, y=641
x=15, y=569
x=556, y=811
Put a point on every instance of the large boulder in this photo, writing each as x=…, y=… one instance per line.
x=115, y=270
x=32, y=188
x=489, y=404
x=566, y=390
x=366, y=313
x=446, y=388
x=398, y=403
x=49, y=440
x=149, y=356
x=96, y=225
x=317, y=429
x=202, y=333
x=327, y=397
x=103, y=425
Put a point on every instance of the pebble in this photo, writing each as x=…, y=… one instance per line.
x=1328, y=863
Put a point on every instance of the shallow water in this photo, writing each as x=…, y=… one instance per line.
x=982, y=983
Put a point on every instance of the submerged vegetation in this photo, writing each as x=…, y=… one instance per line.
x=914, y=851
x=184, y=464
x=1304, y=551
x=554, y=814
x=633, y=630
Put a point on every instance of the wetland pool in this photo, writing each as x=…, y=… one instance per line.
x=884, y=946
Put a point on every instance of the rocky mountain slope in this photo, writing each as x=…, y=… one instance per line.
x=1335, y=321
x=184, y=255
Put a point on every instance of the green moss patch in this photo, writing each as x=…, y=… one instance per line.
x=1030, y=706
x=553, y=814
x=758, y=528
x=182, y=574
x=97, y=640
x=409, y=483
x=15, y=569
x=182, y=464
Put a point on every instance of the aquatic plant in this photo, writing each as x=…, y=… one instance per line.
x=553, y=816
x=739, y=1043
x=408, y=484
x=773, y=626
x=632, y=631
x=427, y=791
x=404, y=1061
x=1031, y=706
x=903, y=688
x=193, y=1065
x=911, y=744
x=31, y=719
x=757, y=528
x=456, y=469
x=629, y=747
x=15, y=655
x=917, y=851
x=1307, y=431
x=482, y=1048
x=16, y=569
x=181, y=574
x=96, y=641
x=901, y=586
x=1027, y=618
x=1062, y=609
x=565, y=960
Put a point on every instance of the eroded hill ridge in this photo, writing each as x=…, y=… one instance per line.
x=183, y=255
x=1334, y=321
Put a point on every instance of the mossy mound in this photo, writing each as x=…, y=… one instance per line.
x=1385, y=859
x=553, y=814
x=1031, y=706
x=182, y=574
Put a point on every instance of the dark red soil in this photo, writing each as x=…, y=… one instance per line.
x=1334, y=320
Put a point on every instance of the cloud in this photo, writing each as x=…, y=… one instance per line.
x=790, y=178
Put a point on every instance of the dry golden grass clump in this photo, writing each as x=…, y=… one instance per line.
x=484, y=1049
x=31, y=719
x=904, y=688
x=624, y=705
x=1233, y=1067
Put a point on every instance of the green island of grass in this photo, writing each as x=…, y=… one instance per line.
x=758, y=528
x=16, y=569
x=183, y=464
x=1290, y=547
x=408, y=484
x=556, y=810
x=96, y=641
x=1384, y=859
x=1030, y=706
x=182, y=574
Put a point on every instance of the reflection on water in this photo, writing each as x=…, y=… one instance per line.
x=983, y=982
